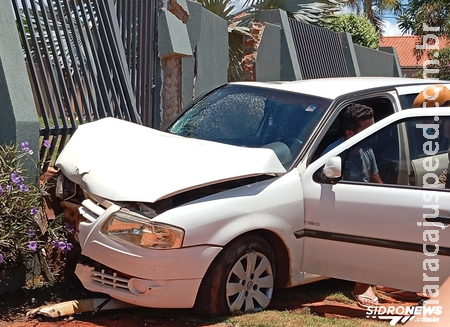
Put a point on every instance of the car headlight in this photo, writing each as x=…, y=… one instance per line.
x=131, y=228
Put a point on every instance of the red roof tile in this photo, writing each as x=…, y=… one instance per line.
x=406, y=46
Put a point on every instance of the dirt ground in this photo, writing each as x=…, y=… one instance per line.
x=13, y=308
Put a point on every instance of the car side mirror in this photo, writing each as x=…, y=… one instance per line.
x=333, y=168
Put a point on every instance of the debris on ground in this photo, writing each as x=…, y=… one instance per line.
x=72, y=307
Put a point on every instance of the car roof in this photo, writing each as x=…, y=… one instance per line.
x=332, y=88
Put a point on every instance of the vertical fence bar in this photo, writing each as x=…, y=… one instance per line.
x=312, y=55
x=88, y=60
x=48, y=63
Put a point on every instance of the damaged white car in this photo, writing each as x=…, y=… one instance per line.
x=232, y=201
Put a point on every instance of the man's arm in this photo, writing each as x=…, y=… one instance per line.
x=376, y=178
x=375, y=175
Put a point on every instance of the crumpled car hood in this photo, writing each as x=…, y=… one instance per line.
x=123, y=161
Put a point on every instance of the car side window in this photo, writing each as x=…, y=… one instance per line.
x=377, y=154
x=428, y=148
x=408, y=153
x=382, y=107
x=406, y=100
x=439, y=131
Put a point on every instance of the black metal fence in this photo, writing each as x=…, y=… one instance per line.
x=87, y=60
x=319, y=51
x=138, y=20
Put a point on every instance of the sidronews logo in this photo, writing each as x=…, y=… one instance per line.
x=403, y=314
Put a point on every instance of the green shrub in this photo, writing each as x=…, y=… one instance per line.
x=442, y=66
x=25, y=230
x=362, y=31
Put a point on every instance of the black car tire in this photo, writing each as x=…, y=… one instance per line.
x=240, y=279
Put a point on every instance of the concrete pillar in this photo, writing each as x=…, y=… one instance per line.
x=18, y=117
x=349, y=54
x=289, y=65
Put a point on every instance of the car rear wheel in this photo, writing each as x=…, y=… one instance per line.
x=241, y=279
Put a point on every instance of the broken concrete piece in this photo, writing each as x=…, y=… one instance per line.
x=69, y=308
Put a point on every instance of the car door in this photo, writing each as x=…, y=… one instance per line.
x=383, y=234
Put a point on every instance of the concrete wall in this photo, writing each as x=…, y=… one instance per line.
x=269, y=50
x=211, y=53
x=308, y=51
x=288, y=63
x=378, y=62
x=19, y=121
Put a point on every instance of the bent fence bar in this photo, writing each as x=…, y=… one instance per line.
x=87, y=60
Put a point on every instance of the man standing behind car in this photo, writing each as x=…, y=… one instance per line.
x=361, y=167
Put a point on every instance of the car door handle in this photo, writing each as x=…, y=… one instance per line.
x=438, y=219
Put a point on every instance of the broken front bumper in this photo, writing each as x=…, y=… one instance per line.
x=143, y=292
x=158, y=278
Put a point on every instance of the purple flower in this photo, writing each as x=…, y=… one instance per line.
x=25, y=147
x=1, y=258
x=32, y=246
x=16, y=178
x=47, y=143
x=8, y=188
x=63, y=246
x=70, y=228
x=31, y=233
x=34, y=211
x=23, y=188
x=1, y=190
x=57, y=244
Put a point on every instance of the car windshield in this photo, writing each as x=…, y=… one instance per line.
x=251, y=116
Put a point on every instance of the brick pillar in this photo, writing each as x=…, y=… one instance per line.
x=251, y=43
x=171, y=92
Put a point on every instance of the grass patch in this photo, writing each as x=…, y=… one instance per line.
x=286, y=310
x=326, y=290
x=298, y=318
x=339, y=297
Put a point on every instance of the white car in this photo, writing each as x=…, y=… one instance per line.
x=235, y=199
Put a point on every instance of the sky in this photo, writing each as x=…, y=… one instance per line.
x=390, y=24
x=391, y=28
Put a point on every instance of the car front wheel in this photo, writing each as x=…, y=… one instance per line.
x=241, y=279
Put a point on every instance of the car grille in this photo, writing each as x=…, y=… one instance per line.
x=107, y=280
x=90, y=210
x=110, y=279
x=105, y=275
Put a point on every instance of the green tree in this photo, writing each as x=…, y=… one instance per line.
x=360, y=28
x=442, y=67
x=434, y=13
x=308, y=11
x=375, y=9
